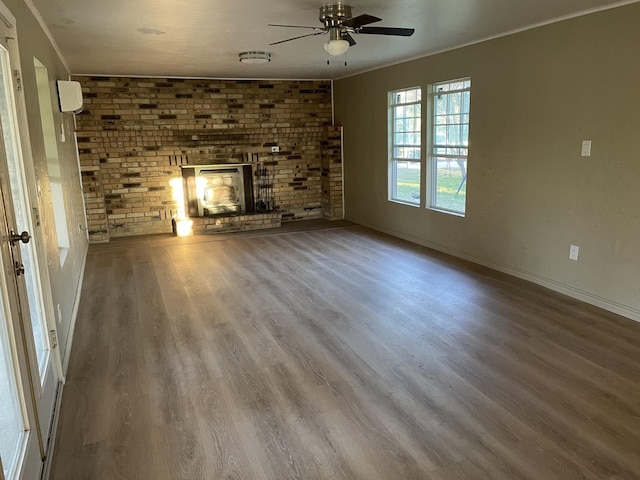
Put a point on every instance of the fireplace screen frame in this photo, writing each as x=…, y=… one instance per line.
x=193, y=176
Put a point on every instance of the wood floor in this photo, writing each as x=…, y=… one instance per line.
x=338, y=354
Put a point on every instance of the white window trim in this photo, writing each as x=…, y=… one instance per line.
x=391, y=160
x=431, y=167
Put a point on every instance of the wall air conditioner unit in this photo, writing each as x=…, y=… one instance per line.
x=70, y=96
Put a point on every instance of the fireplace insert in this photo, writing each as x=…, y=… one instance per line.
x=218, y=189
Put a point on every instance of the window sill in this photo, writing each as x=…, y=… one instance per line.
x=448, y=212
x=408, y=204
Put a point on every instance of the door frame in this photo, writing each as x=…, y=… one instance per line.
x=32, y=185
x=32, y=459
x=45, y=391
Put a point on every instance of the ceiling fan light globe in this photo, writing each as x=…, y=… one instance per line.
x=336, y=47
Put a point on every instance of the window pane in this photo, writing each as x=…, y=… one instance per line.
x=466, y=101
x=440, y=105
x=465, y=134
x=450, y=184
x=406, y=96
x=414, y=139
x=453, y=135
x=14, y=160
x=11, y=423
x=407, y=182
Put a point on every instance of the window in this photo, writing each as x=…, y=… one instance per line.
x=449, y=145
x=447, y=150
x=405, y=155
x=53, y=161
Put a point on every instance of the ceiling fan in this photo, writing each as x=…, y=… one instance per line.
x=338, y=22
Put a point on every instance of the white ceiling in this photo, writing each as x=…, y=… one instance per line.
x=202, y=38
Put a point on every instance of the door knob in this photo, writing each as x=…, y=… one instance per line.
x=24, y=237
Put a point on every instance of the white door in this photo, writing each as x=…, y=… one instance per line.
x=20, y=442
x=34, y=295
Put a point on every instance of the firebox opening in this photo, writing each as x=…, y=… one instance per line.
x=223, y=189
x=220, y=190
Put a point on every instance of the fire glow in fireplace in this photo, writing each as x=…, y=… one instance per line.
x=218, y=189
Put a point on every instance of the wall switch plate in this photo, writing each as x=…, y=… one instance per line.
x=275, y=149
x=573, y=252
x=586, y=148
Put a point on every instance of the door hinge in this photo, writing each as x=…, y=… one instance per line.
x=19, y=268
x=36, y=215
x=18, y=80
x=53, y=337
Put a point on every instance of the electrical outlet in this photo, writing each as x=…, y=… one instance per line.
x=573, y=252
x=586, y=148
x=275, y=149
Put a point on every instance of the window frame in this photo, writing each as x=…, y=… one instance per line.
x=393, y=161
x=431, y=170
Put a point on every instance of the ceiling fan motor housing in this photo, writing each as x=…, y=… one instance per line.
x=333, y=15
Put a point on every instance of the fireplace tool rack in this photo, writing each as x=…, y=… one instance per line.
x=263, y=185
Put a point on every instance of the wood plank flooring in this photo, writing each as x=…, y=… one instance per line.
x=338, y=354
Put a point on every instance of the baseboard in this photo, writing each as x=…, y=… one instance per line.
x=74, y=314
x=46, y=467
x=601, y=302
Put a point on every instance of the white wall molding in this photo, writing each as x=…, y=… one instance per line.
x=6, y=16
x=507, y=33
x=47, y=32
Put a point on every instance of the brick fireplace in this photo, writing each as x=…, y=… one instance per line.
x=137, y=135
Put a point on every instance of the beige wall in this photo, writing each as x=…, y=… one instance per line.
x=65, y=279
x=535, y=96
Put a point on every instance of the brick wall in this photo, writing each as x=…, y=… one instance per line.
x=135, y=133
x=331, y=164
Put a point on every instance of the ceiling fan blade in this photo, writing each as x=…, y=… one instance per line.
x=400, y=32
x=360, y=20
x=294, y=26
x=348, y=38
x=295, y=38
